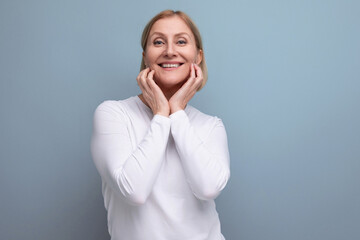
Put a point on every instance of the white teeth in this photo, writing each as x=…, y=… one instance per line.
x=170, y=65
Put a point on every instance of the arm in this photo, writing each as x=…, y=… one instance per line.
x=131, y=173
x=205, y=161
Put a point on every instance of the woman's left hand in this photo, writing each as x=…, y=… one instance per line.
x=179, y=100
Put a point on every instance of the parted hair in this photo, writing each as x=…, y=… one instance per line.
x=189, y=22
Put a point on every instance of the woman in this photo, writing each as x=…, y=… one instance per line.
x=161, y=161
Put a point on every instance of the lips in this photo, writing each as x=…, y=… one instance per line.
x=170, y=65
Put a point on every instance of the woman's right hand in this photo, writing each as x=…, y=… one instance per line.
x=152, y=93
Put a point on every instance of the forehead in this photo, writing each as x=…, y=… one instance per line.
x=170, y=26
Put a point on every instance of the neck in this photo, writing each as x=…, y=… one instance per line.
x=168, y=93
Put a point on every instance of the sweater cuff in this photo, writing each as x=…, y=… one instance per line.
x=176, y=116
x=161, y=119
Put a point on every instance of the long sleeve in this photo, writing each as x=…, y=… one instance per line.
x=130, y=170
x=205, y=160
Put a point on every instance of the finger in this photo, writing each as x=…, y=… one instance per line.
x=192, y=71
x=190, y=80
x=199, y=76
x=198, y=71
x=153, y=87
x=143, y=79
x=152, y=84
x=145, y=73
x=139, y=81
x=150, y=80
x=151, y=75
x=141, y=75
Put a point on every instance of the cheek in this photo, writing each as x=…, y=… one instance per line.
x=149, y=58
x=156, y=76
x=188, y=69
x=192, y=51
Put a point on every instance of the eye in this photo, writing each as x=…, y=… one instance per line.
x=181, y=42
x=158, y=42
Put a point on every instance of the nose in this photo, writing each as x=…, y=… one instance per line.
x=170, y=50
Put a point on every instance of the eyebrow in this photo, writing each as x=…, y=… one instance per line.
x=161, y=34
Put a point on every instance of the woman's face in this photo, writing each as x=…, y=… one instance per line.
x=170, y=51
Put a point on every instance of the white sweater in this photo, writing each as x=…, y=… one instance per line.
x=160, y=175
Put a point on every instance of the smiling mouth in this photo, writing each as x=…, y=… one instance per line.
x=170, y=65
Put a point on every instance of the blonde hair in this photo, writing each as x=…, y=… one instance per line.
x=190, y=24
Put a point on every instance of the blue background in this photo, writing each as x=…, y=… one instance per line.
x=283, y=75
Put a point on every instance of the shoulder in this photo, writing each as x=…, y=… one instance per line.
x=202, y=121
x=117, y=104
x=115, y=109
x=197, y=116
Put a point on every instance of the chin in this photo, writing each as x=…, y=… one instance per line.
x=170, y=81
